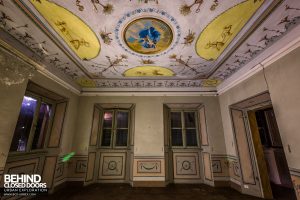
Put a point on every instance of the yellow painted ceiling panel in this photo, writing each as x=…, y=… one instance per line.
x=148, y=71
x=222, y=30
x=79, y=37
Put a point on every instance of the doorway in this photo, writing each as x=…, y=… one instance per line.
x=273, y=152
x=264, y=167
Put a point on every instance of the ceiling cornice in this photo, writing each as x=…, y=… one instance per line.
x=40, y=69
x=285, y=45
x=146, y=93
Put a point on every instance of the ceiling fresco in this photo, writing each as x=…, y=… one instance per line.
x=147, y=43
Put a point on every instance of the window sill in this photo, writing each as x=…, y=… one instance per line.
x=27, y=153
x=186, y=148
x=115, y=148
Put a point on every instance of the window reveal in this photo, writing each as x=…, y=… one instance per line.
x=32, y=125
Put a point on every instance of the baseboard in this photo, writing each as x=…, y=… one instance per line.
x=222, y=183
x=148, y=184
x=67, y=184
x=235, y=186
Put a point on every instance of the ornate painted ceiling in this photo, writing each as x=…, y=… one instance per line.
x=147, y=43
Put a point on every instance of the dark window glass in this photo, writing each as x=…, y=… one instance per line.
x=121, y=138
x=176, y=137
x=106, y=137
x=41, y=126
x=191, y=137
x=189, y=119
x=175, y=119
x=107, y=121
x=24, y=123
x=122, y=119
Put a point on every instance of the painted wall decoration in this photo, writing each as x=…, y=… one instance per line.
x=81, y=166
x=222, y=30
x=148, y=35
x=149, y=166
x=112, y=166
x=220, y=167
x=77, y=167
x=216, y=166
x=186, y=165
x=77, y=34
x=148, y=71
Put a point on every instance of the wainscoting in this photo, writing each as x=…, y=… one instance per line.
x=226, y=171
x=54, y=172
x=145, y=167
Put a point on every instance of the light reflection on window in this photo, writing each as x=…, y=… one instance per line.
x=24, y=124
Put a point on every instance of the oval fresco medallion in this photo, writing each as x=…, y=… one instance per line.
x=148, y=71
x=148, y=35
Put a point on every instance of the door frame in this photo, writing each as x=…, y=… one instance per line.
x=257, y=102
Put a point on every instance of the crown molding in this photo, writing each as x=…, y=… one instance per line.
x=160, y=94
x=279, y=49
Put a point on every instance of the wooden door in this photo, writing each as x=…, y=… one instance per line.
x=93, y=155
x=206, y=149
x=245, y=150
x=260, y=157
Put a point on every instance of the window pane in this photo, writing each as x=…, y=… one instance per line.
x=24, y=123
x=176, y=119
x=176, y=137
x=107, y=122
x=41, y=126
x=122, y=119
x=191, y=137
x=121, y=138
x=189, y=119
x=106, y=137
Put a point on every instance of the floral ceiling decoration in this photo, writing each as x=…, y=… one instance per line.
x=109, y=44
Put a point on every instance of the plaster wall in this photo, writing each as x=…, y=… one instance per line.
x=149, y=122
x=284, y=87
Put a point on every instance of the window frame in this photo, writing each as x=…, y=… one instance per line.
x=183, y=129
x=114, y=129
x=39, y=99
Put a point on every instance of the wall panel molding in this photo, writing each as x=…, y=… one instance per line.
x=186, y=165
x=149, y=167
x=90, y=167
x=49, y=170
x=112, y=166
